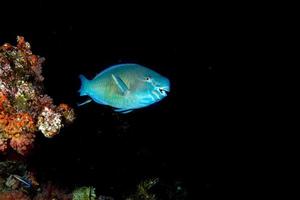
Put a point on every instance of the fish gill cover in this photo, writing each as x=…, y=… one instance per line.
x=25, y=109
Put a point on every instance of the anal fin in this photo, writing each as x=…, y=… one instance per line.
x=123, y=110
x=85, y=102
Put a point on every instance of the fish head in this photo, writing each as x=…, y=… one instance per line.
x=158, y=85
x=161, y=85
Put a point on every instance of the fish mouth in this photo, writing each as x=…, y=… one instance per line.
x=163, y=91
x=156, y=95
x=159, y=93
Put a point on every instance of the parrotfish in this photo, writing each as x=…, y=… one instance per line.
x=125, y=87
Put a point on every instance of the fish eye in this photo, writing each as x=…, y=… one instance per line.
x=161, y=90
x=147, y=78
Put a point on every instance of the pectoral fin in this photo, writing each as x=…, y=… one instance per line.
x=120, y=83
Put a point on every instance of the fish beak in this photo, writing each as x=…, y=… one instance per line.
x=167, y=89
x=163, y=91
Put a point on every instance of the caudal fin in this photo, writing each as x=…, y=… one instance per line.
x=84, y=85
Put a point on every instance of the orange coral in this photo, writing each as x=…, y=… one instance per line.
x=4, y=103
x=22, y=143
x=24, y=108
x=67, y=112
x=33, y=59
x=3, y=121
x=3, y=144
x=3, y=99
x=7, y=46
x=14, y=195
x=19, y=123
x=32, y=178
x=20, y=129
x=23, y=45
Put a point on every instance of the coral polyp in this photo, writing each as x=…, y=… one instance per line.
x=24, y=108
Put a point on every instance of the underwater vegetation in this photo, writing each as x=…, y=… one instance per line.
x=84, y=193
x=25, y=109
x=143, y=190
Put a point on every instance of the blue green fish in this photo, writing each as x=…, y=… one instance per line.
x=125, y=87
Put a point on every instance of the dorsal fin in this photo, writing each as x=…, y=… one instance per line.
x=115, y=67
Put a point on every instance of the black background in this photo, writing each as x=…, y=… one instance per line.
x=192, y=136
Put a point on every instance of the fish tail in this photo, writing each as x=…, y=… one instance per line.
x=84, y=85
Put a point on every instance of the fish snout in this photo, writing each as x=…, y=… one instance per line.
x=160, y=92
x=164, y=90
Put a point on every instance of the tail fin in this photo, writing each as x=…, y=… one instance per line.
x=84, y=85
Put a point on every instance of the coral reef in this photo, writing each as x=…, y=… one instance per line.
x=10, y=187
x=14, y=195
x=50, y=191
x=15, y=176
x=24, y=108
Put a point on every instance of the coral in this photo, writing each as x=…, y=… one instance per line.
x=49, y=122
x=15, y=176
x=84, y=193
x=3, y=144
x=12, y=167
x=12, y=183
x=32, y=178
x=66, y=112
x=14, y=195
x=50, y=192
x=24, y=108
x=22, y=143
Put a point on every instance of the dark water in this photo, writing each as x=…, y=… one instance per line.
x=182, y=140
